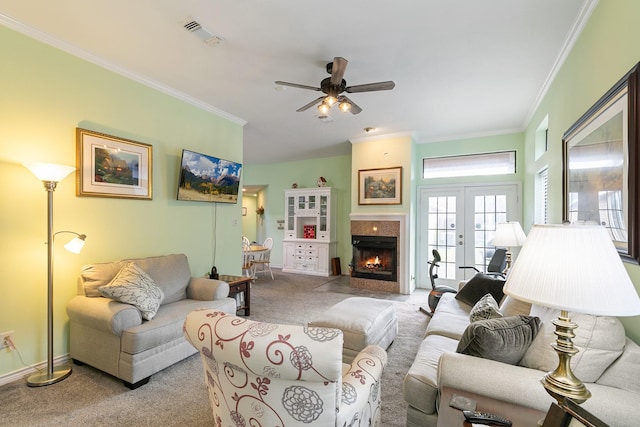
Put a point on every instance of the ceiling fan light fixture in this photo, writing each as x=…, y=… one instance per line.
x=324, y=108
x=330, y=100
x=345, y=106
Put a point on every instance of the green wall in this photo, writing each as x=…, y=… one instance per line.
x=280, y=176
x=607, y=48
x=46, y=94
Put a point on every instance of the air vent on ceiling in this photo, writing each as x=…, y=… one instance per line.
x=194, y=27
x=325, y=119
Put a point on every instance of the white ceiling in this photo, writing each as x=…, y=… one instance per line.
x=462, y=68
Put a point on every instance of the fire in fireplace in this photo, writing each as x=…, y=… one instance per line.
x=374, y=257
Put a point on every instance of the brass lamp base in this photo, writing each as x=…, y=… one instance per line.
x=39, y=380
x=562, y=383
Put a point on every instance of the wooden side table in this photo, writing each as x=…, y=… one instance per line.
x=519, y=415
x=238, y=284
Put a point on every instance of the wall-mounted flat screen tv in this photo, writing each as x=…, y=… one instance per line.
x=208, y=179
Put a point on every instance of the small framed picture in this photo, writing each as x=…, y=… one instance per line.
x=380, y=186
x=109, y=166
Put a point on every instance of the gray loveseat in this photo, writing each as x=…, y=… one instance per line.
x=113, y=336
x=608, y=363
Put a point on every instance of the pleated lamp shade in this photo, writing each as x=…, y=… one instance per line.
x=574, y=268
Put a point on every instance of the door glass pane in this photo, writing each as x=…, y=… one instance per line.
x=490, y=209
x=442, y=233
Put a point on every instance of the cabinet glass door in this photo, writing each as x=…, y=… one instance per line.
x=312, y=202
x=302, y=202
x=323, y=213
x=290, y=212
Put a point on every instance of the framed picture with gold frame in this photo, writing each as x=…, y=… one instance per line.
x=110, y=166
x=380, y=186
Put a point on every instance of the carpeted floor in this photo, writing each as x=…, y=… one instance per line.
x=177, y=395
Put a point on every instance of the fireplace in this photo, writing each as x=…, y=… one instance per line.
x=374, y=257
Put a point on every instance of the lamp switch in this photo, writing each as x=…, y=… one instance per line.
x=6, y=340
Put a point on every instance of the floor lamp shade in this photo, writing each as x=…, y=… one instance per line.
x=49, y=171
x=50, y=175
x=572, y=268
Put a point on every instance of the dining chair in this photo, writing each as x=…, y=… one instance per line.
x=248, y=269
x=262, y=264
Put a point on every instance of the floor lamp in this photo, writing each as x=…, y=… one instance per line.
x=572, y=268
x=50, y=175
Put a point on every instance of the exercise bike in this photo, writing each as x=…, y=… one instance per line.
x=436, y=291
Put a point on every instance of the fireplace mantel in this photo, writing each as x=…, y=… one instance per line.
x=404, y=286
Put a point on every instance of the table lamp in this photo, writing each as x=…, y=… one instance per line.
x=50, y=174
x=571, y=268
x=509, y=235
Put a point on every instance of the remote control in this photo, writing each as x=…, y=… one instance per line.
x=485, y=418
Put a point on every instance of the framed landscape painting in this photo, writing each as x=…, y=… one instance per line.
x=109, y=166
x=380, y=186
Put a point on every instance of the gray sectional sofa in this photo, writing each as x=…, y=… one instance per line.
x=608, y=364
x=114, y=337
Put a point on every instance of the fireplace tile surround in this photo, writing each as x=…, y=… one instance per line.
x=390, y=225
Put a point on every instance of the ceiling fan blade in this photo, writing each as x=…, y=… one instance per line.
x=311, y=104
x=370, y=87
x=337, y=70
x=355, y=108
x=278, y=82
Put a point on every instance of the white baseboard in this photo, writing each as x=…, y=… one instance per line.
x=10, y=377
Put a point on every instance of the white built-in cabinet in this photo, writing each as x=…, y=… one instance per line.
x=309, y=242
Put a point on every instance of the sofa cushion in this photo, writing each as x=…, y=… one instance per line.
x=170, y=272
x=167, y=325
x=420, y=385
x=450, y=319
x=480, y=285
x=95, y=275
x=133, y=286
x=504, y=339
x=617, y=375
x=486, y=308
x=600, y=339
x=513, y=307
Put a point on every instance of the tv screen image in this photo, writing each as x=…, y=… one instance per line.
x=208, y=179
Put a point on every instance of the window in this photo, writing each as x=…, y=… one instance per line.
x=542, y=138
x=500, y=163
x=541, y=196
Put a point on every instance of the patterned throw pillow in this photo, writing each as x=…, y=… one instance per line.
x=486, y=308
x=133, y=286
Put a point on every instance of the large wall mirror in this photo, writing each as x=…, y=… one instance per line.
x=600, y=159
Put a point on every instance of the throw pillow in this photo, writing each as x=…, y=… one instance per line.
x=486, y=308
x=600, y=339
x=478, y=286
x=504, y=339
x=133, y=286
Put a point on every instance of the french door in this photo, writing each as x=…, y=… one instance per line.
x=460, y=221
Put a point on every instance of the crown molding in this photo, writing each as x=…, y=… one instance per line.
x=71, y=49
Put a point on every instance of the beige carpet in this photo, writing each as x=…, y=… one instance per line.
x=177, y=395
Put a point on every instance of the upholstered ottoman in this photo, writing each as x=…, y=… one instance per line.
x=363, y=321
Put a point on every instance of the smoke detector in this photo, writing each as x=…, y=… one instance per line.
x=203, y=34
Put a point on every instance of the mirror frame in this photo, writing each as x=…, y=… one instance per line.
x=630, y=82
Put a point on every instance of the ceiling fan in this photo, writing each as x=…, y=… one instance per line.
x=334, y=86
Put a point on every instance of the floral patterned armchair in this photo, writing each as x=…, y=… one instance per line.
x=263, y=374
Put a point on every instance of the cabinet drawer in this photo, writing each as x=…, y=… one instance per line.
x=290, y=235
x=306, y=266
